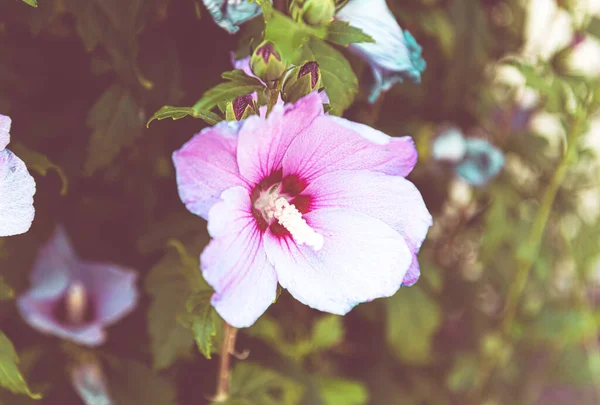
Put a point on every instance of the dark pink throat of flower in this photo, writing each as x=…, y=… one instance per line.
x=289, y=187
x=311, y=68
x=267, y=50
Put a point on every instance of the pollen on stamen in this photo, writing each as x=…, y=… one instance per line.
x=291, y=219
x=76, y=303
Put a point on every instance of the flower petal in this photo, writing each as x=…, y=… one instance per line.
x=229, y=15
x=4, y=131
x=391, y=199
x=263, y=142
x=113, y=288
x=333, y=143
x=362, y=259
x=449, y=146
x=17, y=188
x=395, y=55
x=234, y=262
x=243, y=65
x=39, y=313
x=90, y=383
x=206, y=166
x=482, y=162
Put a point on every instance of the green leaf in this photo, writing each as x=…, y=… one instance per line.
x=593, y=27
x=253, y=385
x=10, y=376
x=337, y=391
x=114, y=25
x=289, y=35
x=41, y=164
x=327, y=332
x=563, y=327
x=342, y=33
x=6, y=292
x=117, y=120
x=169, y=290
x=464, y=374
x=412, y=319
x=238, y=84
x=133, y=383
x=32, y=3
x=203, y=321
x=338, y=78
x=177, y=113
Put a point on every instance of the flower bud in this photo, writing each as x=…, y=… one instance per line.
x=313, y=12
x=241, y=108
x=266, y=62
x=302, y=81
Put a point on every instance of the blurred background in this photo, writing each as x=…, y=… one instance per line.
x=506, y=310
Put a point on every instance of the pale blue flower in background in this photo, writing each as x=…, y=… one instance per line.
x=229, y=14
x=482, y=162
x=475, y=160
x=90, y=384
x=76, y=299
x=450, y=146
x=395, y=56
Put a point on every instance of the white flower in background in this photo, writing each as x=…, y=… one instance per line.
x=17, y=188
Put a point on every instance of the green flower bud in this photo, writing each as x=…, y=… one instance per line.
x=266, y=62
x=241, y=108
x=313, y=12
x=301, y=81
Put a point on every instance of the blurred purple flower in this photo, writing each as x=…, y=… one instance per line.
x=315, y=202
x=90, y=384
x=395, y=56
x=75, y=299
x=17, y=188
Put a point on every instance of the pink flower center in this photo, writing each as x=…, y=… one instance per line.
x=278, y=206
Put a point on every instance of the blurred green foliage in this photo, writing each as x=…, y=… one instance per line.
x=506, y=309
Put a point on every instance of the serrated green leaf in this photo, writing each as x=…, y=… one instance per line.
x=177, y=113
x=117, y=120
x=41, y=164
x=327, y=332
x=337, y=391
x=114, y=25
x=338, y=78
x=238, y=84
x=168, y=288
x=253, y=385
x=32, y=3
x=6, y=292
x=412, y=319
x=342, y=33
x=133, y=383
x=10, y=376
x=203, y=318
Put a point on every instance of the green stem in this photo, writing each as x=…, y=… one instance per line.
x=531, y=248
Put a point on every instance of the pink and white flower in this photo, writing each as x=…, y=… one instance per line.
x=17, y=188
x=316, y=203
x=76, y=299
